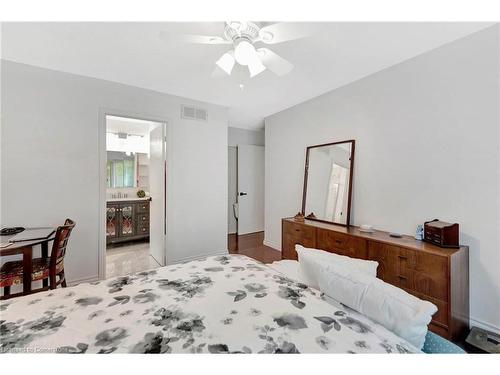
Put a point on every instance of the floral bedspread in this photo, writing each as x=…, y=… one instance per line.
x=222, y=304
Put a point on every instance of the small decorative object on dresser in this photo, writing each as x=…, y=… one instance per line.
x=429, y=272
x=367, y=228
x=419, y=232
x=441, y=233
x=299, y=217
x=141, y=193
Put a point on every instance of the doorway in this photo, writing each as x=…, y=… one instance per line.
x=245, y=189
x=135, y=219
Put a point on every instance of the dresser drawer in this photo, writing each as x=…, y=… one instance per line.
x=427, y=285
x=387, y=258
x=288, y=246
x=440, y=318
x=423, y=262
x=341, y=244
x=142, y=217
x=438, y=329
x=142, y=228
x=293, y=234
x=424, y=273
x=142, y=206
x=298, y=230
x=410, y=270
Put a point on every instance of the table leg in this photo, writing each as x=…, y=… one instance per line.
x=27, y=268
x=45, y=254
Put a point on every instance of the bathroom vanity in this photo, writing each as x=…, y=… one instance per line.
x=127, y=219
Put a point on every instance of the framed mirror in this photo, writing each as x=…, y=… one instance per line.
x=328, y=182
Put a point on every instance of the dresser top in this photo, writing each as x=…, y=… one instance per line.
x=131, y=199
x=380, y=236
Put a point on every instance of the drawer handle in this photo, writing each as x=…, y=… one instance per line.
x=402, y=277
x=338, y=242
x=402, y=257
x=297, y=230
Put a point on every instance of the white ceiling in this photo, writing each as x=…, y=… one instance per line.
x=128, y=125
x=132, y=53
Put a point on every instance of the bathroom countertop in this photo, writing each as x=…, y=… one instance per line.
x=127, y=199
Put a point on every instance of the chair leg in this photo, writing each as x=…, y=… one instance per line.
x=45, y=283
x=53, y=283
x=6, y=291
x=63, y=278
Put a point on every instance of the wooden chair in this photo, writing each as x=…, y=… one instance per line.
x=45, y=269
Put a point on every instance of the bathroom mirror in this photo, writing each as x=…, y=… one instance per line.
x=121, y=169
x=328, y=182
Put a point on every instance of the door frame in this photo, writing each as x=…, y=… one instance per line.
x=101, y=225
x=236, y=183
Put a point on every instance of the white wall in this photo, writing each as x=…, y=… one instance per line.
x=50, y=161
x=238, y=136
x=427, y=146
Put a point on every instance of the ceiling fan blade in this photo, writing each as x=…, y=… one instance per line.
x=285, y=31
x=218, y=72
x=196, y=39
x=274, y=62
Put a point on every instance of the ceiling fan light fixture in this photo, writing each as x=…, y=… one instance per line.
x=244, y=53
x=256, y=67
x=226, y=62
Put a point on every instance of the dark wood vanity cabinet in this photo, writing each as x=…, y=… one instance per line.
x=438, y=275
x=127, y=220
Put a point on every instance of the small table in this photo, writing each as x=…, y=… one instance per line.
x=26, y=249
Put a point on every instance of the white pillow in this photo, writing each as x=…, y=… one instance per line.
x=310, y=261
x=404, y=314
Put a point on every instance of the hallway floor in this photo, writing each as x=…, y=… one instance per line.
x=252, y=246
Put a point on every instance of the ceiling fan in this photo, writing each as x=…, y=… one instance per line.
x=243, y=36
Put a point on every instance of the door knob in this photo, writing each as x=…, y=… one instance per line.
x=242, y=193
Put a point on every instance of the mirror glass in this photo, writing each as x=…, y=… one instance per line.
x=120, y=169
x=327, y=184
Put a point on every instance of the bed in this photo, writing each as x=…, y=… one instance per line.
x=221, y=304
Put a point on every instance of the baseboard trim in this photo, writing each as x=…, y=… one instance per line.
x=196, y=257
x=272, y=245
x=484, y=325
x=84, y=280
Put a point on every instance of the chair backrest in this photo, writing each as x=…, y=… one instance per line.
x=60, y=242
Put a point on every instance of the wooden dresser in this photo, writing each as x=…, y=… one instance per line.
x=438, y=275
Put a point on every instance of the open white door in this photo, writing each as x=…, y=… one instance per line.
x=157, y=189
x=250, y=189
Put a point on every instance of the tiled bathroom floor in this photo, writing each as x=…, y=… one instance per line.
x=128, y=259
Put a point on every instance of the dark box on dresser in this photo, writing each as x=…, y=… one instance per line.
x=441, y=233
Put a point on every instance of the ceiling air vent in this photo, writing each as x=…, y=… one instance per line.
x=193, y=113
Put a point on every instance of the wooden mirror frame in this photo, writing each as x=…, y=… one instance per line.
x=349, y=194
